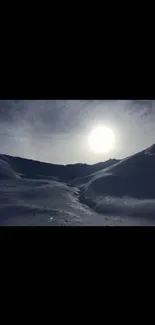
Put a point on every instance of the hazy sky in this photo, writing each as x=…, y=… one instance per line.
x=57, y=131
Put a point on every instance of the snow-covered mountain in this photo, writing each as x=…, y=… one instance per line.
x=126, y=187
x=34, y=193
x=32, y=169
x=109, y=193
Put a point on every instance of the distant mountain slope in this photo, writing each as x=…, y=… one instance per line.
x=64, y=173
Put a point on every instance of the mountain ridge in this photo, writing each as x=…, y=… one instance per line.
x=106, y=193
x=28, y=168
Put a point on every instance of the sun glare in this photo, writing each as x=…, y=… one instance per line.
x=101, y=139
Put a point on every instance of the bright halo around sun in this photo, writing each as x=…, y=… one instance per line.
x=101, y=139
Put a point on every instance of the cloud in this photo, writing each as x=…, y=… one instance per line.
x=41, y=129
x=64, y=116
x=143, y=108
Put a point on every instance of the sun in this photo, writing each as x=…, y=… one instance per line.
x=101, y=139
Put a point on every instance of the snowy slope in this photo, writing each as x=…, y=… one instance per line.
x=44, y=203
x=31, y=195
x=110, y=193
x=64, y=173
x=6, y=170
x=127, y=187
x=48, y=203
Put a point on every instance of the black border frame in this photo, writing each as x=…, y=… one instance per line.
x=75, y=83
x=86, y=241
x=77, y=80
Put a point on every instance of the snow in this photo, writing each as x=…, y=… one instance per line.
x=33, y=202
x=121, y=193
x=43, y=203
x=150, y=150
x=126, y=188
x=6, y=171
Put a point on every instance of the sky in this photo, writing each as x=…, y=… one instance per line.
x=56, y=131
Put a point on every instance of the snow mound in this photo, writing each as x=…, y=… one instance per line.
x=6, y=171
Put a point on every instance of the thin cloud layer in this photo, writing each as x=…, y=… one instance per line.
x=56, y=130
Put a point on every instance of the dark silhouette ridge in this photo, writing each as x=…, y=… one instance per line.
x=27, y=168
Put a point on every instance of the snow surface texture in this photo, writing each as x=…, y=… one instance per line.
x=110, y=193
